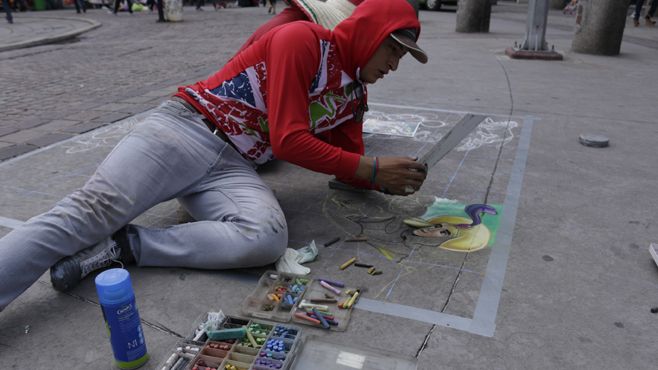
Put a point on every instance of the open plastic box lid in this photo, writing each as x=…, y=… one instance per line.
x=319, y=354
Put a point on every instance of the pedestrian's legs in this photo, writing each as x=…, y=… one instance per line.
x=130, y=6
x=160, y=6
x=638, y=10
x=161, y=159
x=79, y=6
x=5, y=6
x=652, y=10
x=117, y=4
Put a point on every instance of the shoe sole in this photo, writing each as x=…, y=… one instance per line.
x=65, y=274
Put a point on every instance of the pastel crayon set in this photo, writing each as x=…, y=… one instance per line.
x=286, y=297
x=236, y=344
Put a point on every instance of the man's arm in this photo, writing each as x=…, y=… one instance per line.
x=292, y=61
x=293, y=57
x=396, y=175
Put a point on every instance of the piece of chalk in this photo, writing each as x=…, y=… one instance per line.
x=328, y=286
x=251, y=338
x=323, y=321
x=332, y=241
x=350, y=302
x=322, y=300
x=348, y=263
x=303, y=316
x=237, y=333
x=326, y=317
x=339, y=284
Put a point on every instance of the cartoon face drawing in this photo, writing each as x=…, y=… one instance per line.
x=464, y=235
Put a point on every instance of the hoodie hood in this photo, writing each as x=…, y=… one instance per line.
x=358, y=37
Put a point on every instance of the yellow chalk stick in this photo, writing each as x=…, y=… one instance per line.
x=348, y=263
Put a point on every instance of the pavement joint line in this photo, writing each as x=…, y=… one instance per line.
x=152, y=325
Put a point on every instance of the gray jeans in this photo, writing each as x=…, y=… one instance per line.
x=171, y=154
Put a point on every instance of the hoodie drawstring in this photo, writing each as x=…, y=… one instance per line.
x=361, y=107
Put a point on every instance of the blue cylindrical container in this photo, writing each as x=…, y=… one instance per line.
x=117, y=299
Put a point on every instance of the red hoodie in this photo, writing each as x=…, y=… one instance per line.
x=290, y=14
x=294, y=94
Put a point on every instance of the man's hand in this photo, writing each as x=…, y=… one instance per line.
x=395, y=175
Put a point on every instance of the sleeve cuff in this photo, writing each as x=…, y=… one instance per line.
x=348, y=164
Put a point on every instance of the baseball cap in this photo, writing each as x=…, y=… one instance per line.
x=407, y=38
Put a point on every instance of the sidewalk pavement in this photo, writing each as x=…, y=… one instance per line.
x=30, y=30
x=569, y=283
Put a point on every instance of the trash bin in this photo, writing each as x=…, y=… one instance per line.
x=173, y=10
x=39, y=4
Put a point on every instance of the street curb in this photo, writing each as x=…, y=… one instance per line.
x=48, y=40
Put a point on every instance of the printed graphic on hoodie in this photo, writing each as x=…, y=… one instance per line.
x=237, y=105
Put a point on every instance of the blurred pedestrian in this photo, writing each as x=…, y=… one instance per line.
x=650, y=14
x=79, y=6
x=272, y=8
x=160, y=7
x=199, y=4
x=7, y=8
x=107, y=7
x=217, y=4
x=20, y=5
x=117, y=4
x=571, y=7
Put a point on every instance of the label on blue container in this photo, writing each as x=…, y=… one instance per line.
x=125, y=330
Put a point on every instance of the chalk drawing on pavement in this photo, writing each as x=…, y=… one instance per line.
x=107, y=136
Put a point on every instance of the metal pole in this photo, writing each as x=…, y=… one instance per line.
x=536, y=26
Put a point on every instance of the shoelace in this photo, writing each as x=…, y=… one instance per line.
x=101, y=260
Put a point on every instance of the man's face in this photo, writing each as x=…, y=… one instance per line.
x=385, y=59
